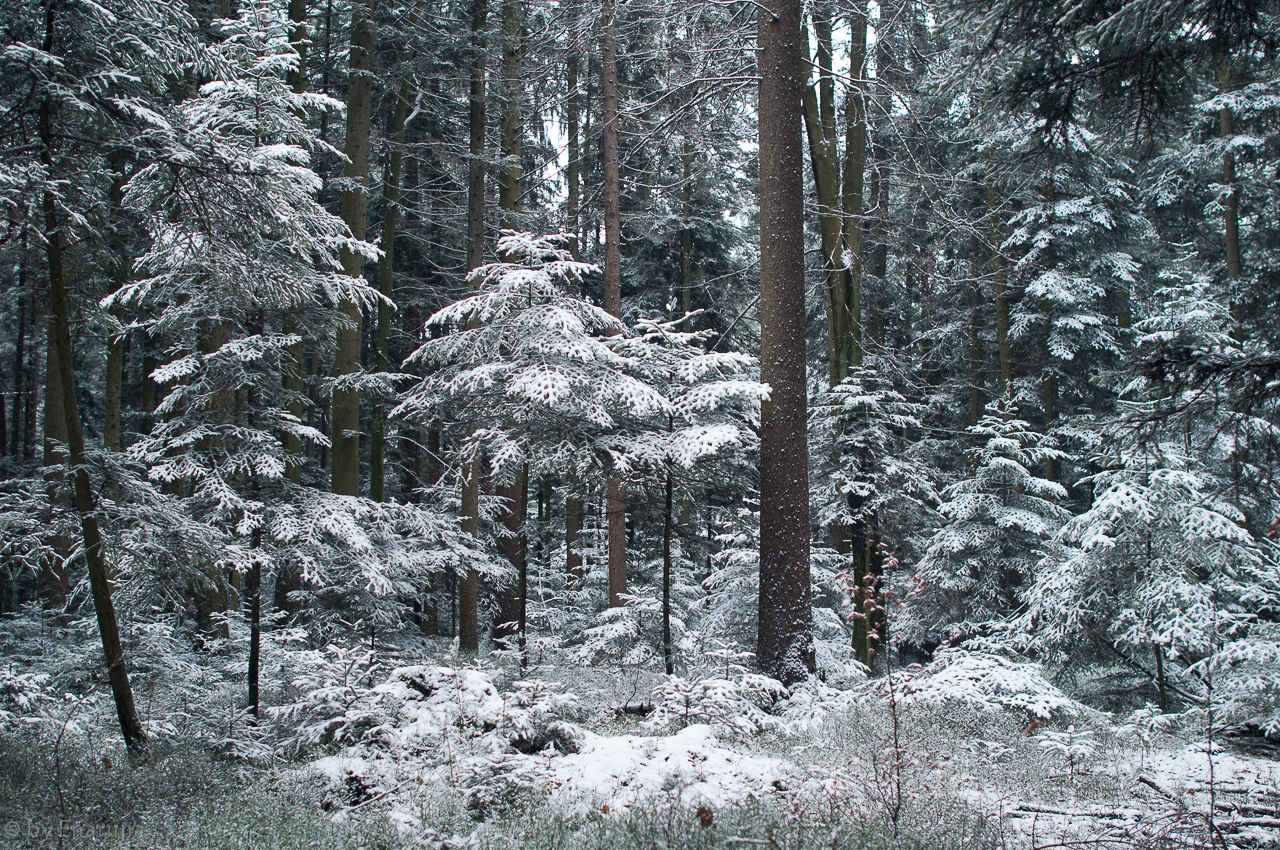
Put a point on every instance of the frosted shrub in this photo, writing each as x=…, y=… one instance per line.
x=730, y=699
x=989, y=682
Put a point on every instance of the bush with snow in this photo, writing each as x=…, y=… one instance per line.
x=989, y=682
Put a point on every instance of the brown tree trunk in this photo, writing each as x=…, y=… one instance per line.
x=55, y=578
x=1231, y=207
x=573, y=512
x=468, y=587
x=345, y=455
x=294, y=366
x=64, y=361
x=573, y=175
x=785, y=633
x=1001, y=290
x=616, y=511
x=114, y=383
x=386, y=285
x=19, y=355
x=668, y=654
x=511, y=183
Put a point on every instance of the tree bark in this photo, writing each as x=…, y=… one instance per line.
x=667, y=653
x=64, y=360
x=114, y=383
x=616, y=510
x=1231, y=207
x=345, y=455
x=55, y=578
x=573, y=512
x=468, y=588
x=386, y=285
x=785, y=628
x=1001, y=291
x=511, y=184
x=294, y=365
x=573, y=202
x=19, y=354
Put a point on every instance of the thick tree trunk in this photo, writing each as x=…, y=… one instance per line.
x=386, y=285
x=511, y=182
x=468, y=587
x=64, y=361
x=513, y=547
x=785, y=633
x=573, y=512
x=616, y=511
x=345, y=455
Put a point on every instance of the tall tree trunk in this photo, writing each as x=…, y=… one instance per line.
x=19, y=354
x=64, y=361
x=667, y=653
x=1001, y=291
x=819, y=119
x=345, y=455
x=386, y=285
x=686, y=233
x=55, y=578
x=616, y=510
x=1231, y=206
x=572, y=110
x=468, y=588
x=294, y=366
x=852, y=190
x=785, y=633
x=975, y=338
x=511, y=182
x=114, y=383
x=512, y=546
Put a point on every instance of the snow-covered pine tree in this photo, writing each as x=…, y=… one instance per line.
x=997, y=522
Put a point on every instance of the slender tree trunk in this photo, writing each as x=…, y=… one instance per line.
x=616, y=511
x=253, y=589
x=573, y=202
x=819, y=115
x=294, y=366
x=512, y=546
x=386, y=284
x=468, y=588
x=1001, y=293
x=1161, y=690
x=345, y=455
x=975, y=342
x=1231, y=207
x=114, y=383
x=785, y=634
x=55, y=578
x=19, y=353
x=59, y=304
x=667, y=652
x=855, y=164
x=686, y=233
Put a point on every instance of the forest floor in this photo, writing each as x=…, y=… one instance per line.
x=454, y=757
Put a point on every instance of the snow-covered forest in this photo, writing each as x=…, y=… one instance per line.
x=639, y=424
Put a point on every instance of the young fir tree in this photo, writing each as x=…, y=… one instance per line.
x=997, y=522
